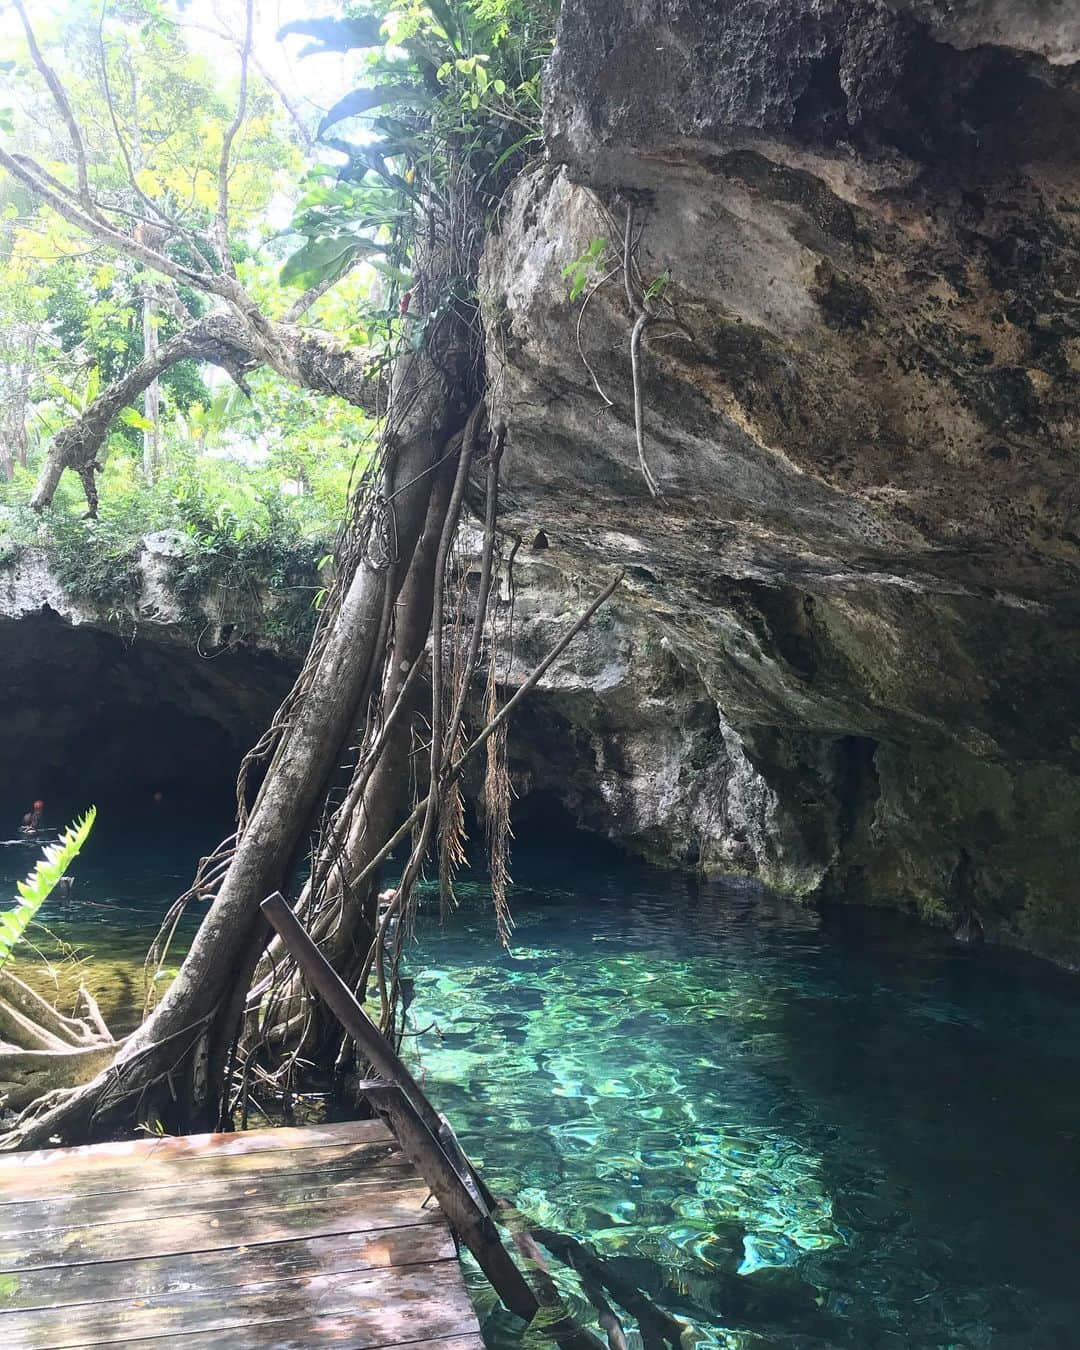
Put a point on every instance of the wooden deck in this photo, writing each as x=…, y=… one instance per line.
x=274, y=1238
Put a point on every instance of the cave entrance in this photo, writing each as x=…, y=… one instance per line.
x=93, y=717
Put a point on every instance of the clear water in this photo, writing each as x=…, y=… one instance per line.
x=126, y=877
x=795, y=1131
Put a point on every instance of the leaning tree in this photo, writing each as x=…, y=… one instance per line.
x=450, y=99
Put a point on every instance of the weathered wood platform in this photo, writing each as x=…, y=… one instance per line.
x=274, y=1238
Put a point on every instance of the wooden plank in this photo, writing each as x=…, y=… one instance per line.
x=450, y=1342
x=140, y=1174
x=363, y=1209
x=375, y=1306
x=230, y=1192
x=303, y=1335
x=194, y=1272
x=75, y=1162
x=269, y=1240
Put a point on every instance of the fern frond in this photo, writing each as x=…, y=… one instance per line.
x=39, y=885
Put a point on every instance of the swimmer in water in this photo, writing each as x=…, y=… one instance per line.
x=31, y=822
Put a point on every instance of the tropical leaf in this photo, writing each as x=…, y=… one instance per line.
x=378, y=96
x=131, y=418
x=336, y=35
x=39, y=885
x=321, y=259
x=393, y=273
x=445, y=16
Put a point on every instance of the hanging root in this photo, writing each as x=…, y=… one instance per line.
x=497, y=794
x=643, y=316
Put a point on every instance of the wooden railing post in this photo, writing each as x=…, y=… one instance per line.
x=339, y=998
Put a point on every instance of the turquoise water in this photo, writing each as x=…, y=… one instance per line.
x=794, y=1131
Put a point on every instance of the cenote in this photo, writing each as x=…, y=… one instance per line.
x=613, y=430
x=794, y=1128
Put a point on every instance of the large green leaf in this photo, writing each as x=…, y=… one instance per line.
x=322, y=259
x=377, y=96
x=336, y=35
x=39, y=885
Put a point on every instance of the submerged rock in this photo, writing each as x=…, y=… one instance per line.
x=847, y=653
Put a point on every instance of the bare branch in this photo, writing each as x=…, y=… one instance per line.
x=642, y=317
x=290, y=107
x=302, y=129
x=222, y=219
x=63, y=104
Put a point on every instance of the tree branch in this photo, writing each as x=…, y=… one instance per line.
x=223, y=340
x=221, y=222
x=218, y=338
x=66, y=111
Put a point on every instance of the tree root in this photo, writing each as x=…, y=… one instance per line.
x=42, y=1050
x=642, y=318
x=26, y=1075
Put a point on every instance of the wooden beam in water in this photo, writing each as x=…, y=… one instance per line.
x=427, y=1138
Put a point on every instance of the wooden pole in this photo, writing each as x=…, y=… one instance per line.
x=472, y=1224
x=339, y=998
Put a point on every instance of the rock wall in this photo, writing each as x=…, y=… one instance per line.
x=847, y=651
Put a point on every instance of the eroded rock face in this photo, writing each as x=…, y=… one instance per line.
x=861, y=400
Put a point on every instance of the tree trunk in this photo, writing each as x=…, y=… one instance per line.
x=377, y=799
x=189, y=1033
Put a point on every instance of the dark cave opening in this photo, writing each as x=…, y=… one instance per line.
x=92, y=717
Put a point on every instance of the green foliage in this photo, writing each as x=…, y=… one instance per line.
x=324, y=259
x=450, y=103
x=583, y=268
x=655, y=290
x=253, y=557
x=96, y=560
x=336, y=35
x=42, y=881
x=254, y=551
